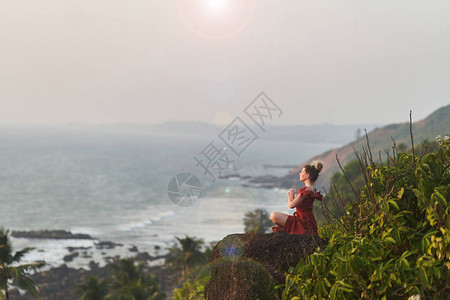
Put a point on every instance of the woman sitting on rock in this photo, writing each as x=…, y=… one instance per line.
x=303, y=221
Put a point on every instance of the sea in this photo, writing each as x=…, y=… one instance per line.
x=113, y=185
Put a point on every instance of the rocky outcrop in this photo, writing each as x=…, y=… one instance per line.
x=50, y=234
x=249, y=266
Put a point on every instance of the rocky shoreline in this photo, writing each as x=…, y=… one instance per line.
x=60, y=282
x=84, y=251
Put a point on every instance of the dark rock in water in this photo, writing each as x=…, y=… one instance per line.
x=93, y=265
x=289, y=181
x=157, y=247
x=269, y=179
x=70, y=257
x=144, y=256
x=50, y=234
x=235, y=175
x=107, y=245
x=267, y=186
x=133, y=249
x=249, y=266
x=71, y=249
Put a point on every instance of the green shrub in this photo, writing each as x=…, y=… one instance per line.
x=393, y=242
x=193, y=289
x=257, y=221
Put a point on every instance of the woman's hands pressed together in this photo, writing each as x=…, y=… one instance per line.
x=291, y=195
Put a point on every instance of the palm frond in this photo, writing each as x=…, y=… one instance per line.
x=26, y=283
x=19, y=254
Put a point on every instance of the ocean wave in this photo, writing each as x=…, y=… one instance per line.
x=144, y=223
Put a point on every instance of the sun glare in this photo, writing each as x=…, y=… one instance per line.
x=216, y=5
x=216, y=19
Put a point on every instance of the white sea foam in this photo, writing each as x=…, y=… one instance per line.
x=145, y=221
x=50, y=251
x=133, y=226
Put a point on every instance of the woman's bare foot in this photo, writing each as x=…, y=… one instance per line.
x=277, y=229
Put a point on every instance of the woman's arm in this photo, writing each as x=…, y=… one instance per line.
x=293, y=202
x=291, y=198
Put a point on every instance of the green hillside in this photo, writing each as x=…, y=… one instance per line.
x=438, y=123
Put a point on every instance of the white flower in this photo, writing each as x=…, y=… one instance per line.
x=443, y=141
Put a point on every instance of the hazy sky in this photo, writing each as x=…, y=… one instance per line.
x=149, y=61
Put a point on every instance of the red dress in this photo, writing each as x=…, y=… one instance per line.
x=303, y=221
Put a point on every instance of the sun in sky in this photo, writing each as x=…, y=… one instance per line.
x=216, y=5
x=216, y=18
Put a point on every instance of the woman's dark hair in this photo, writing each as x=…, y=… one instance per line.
x=313, y=170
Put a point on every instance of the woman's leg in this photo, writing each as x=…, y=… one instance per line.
x=279, y=218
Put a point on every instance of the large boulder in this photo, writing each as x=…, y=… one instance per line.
x=249, y=266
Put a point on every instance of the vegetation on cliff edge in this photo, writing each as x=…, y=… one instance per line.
x=393, y=241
